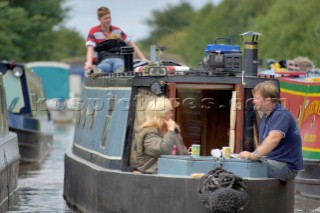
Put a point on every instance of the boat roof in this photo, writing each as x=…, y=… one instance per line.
x=294, y=76
x=47, y=64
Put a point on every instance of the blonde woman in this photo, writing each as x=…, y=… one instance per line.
x=158, y=135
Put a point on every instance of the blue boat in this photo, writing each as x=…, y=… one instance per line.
x=99, y=175
x=76, y=76
x=55, y=77
x=28, y=116
x=9, y=152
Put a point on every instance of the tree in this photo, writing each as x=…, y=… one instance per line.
x=170, y=20
x=228, y=19
x=33, y=30
x=290, y=30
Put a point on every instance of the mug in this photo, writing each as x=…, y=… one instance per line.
x=226, y=151
x=194, y=150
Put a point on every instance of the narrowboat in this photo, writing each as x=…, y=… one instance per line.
x=9, y=152
x=300, y=93
x=28, y=116
x=55, y=78
x=214, y=112
x=76, y=76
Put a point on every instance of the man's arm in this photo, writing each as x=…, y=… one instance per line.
x=137, y=50
x=269, y=143
x=88, y=64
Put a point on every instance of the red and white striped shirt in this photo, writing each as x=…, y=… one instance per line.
x=96, y=36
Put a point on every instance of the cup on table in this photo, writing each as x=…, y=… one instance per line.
x=226, y=151
x=194, y=150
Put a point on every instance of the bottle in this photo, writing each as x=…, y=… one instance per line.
x=174, y=150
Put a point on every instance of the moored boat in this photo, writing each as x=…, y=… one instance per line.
x=9, y=152
x=55, y=77
x=214, y=101
x=27, y=113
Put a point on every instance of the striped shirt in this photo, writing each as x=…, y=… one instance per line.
x=96, y=36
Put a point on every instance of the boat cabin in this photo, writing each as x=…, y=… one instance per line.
x=28, y=115
x=203, y=110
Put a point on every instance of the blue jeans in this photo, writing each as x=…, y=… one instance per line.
x=280, y=170
x=110, y=65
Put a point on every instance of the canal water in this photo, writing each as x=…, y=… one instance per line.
x=40, y=187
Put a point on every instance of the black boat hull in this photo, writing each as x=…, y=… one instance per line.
x=90, y=188
x=9, y=166
x=308, y=181
x=33, y=146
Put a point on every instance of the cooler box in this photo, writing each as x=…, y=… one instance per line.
x=222, y=48
x=246, y=168
x=185, y=165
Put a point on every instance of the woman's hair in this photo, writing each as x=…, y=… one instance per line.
x=156, y=109
x=102, y=11
x=268, y=89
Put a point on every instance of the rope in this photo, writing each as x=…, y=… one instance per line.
x=222, y=191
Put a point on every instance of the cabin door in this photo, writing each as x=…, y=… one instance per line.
x=204, y=118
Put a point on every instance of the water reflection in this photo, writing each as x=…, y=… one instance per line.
x=306, y=205
x=40, y=186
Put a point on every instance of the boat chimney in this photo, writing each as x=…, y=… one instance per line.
x=250, y=56
x=127, y=53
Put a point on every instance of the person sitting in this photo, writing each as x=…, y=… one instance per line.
x=279, y=135
x=110, y=59
x=99, y=34
x=157, y=136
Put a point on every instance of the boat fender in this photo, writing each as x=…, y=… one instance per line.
x=222, y=191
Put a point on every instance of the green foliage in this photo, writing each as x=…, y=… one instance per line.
x=228, y=19
x=289, y=28
x=69, y=44
x=32, y=31
x=164, y=22
x=175, y=17
x=8, y=35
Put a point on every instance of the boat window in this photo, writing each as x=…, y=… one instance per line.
x=14, y=93
x=111, y=104
x=37, y=97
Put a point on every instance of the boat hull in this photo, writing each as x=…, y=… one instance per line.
x=35, y=137
x=9, y=166
x=33, y=146
x=91, y=188
x=308, y=181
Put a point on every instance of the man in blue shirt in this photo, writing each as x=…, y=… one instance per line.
x=279, y=135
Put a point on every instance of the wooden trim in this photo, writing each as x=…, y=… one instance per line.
x=239, y=118
x=172, y=94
